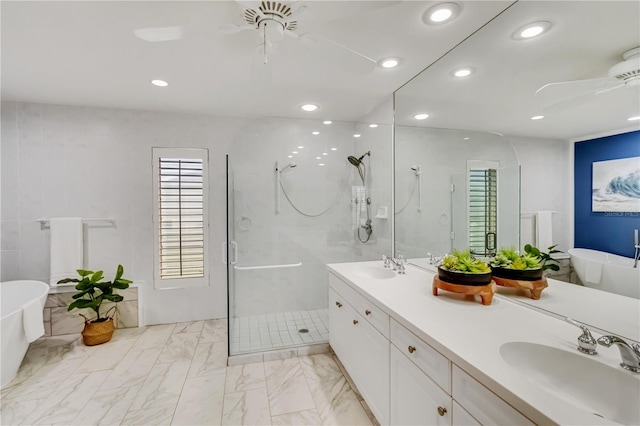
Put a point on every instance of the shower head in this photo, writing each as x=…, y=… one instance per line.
x=288, y=166
x=356, y=161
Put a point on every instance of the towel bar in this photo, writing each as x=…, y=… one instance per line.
x=45, y=223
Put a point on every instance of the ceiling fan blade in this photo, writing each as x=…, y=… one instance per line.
x=341, y=56
x=232, y=28
x=581, y=99
x=573, y=86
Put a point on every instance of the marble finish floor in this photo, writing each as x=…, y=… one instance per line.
x=174, y=374
x=279, y=330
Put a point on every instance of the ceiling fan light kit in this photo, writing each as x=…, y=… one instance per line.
x=629, y=69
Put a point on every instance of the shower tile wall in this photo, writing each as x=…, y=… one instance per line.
x=96, y=163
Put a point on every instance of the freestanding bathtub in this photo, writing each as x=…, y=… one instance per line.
x=14, y=344
x=606, y=271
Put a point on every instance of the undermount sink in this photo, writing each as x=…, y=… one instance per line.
x=376, y=272
x=606, y=391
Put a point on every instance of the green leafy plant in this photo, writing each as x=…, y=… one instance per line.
x=92, y=292
x=532, y=258
x=461, y=261
x=545, y=259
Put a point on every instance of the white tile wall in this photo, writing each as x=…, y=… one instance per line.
x=95, y=162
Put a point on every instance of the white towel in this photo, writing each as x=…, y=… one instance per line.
x=544, y=229
x=66, y=248
x=593, y=273
x=32, y=320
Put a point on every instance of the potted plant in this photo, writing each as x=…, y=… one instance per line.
x=91, y=293
x=459, y=267
x=509, y=263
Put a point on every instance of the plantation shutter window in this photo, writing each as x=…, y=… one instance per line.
x=483, y=210
x=180, y=217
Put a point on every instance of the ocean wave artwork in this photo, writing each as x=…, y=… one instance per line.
x=616, y=185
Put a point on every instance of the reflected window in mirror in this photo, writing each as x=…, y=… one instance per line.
x=482, y=206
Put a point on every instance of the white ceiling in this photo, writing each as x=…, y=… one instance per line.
x=85, y=53
x=585, y=40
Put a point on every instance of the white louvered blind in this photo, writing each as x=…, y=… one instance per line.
x=483, y=211
x=180, y=216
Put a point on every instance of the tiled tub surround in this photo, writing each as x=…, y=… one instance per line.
x=173, y=374
x=58, y=321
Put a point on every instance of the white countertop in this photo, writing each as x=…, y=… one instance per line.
x=470, y=335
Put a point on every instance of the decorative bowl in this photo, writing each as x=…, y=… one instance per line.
x=463, y=278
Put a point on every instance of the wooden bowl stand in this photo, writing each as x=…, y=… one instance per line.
x=484, y=291
x=535, y=287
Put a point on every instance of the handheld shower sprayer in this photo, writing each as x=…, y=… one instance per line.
x=288, y=166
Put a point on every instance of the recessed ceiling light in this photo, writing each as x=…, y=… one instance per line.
x=315, y=133
x=373, y=125
x=159, y=83
x=421, y=116
x=357, y=135
x=321, y=164
x=325, y=153
x=463, y=72
x=301, y=147
x=317, y=158
x=294, y=152
x=531, y=30
x=537, y=117
x=334, y=149
x=466, y=139
x=290, y=156
x=441, y=13
x=389, y=62
x=637, y=117
x=309, y=107
x=327, y=122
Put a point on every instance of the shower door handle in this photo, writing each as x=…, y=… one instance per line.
x=234, y=247
x=224, y=252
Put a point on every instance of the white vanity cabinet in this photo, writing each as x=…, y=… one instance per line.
x=359, y=344
x=403, y=379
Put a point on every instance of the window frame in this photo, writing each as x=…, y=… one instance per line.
x=180, y=153
x=476, y=165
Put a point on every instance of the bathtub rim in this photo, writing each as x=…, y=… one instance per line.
x=45, y=292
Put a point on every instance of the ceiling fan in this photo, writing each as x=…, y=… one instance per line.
x=625, y=74
x=274, y=21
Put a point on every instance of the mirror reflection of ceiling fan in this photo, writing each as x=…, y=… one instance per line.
x=275, y=21
x=623, y=75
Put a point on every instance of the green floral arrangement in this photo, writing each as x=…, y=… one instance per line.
x=532, y=258
x=461, y=261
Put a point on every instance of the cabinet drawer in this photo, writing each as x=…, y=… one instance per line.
x=374, y=315
x=432, y=362
x=481, y=403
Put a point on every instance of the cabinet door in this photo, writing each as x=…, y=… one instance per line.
x=415, y=398
x=340, y=334
x=460, y=417
x=370, y=368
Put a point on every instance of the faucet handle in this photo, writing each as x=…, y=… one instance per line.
x=387, y=261
x=586, y=343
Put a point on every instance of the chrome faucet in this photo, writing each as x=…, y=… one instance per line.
x=630, y=353
x=398, y=264
x=586, y=343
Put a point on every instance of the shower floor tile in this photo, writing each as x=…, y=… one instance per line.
x=266, y=332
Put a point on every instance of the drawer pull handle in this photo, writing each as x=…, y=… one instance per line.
x=355, y=322
x=367, y=312
x=442, y=411
x=412, y=349
x=339, y=305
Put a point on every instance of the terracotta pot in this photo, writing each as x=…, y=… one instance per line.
x=96, y=333
x=517, y=274
x=463, y=278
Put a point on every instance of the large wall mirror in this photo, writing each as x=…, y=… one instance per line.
x=492, y=150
